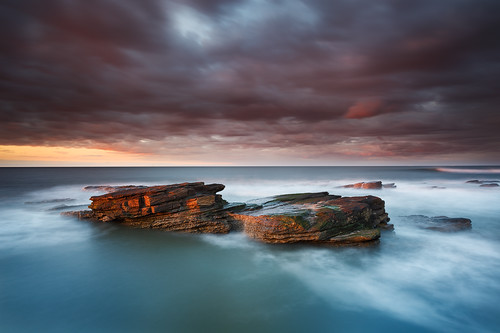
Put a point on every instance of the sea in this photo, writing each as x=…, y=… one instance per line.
x=60, y=274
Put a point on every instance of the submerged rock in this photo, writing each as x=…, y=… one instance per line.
x=315, y=217
x=81, y=214
x=484, y=183
x=489, y=185
x=477, y=181
x=441, y=223
x=290, y=218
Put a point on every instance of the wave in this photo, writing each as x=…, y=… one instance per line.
x=463, y=170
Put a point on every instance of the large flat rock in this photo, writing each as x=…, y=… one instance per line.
x=315, y=217
x=289, y=218
x=189, y=207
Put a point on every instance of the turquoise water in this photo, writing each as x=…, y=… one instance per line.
x=62, y=275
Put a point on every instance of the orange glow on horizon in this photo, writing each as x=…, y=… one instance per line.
x=11, y=155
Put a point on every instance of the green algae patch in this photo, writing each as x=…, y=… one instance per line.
x=328, y=219
x=331, y=207
x=293, y=220
x=297, y=196
x=358, y=236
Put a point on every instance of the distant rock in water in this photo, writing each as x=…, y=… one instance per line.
x=370, y=185
x=317, y=218
x=291, y=218
x=484, y=183
x=440, y=223
x=476, y=181
x=489, y=185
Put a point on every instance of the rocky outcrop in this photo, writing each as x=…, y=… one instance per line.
x=440, y=223
x=291, y=218
x=484, y=183
x=316, y=217
x=370, y=185
x=477, y=181
x=365, y=185
x=189, y=207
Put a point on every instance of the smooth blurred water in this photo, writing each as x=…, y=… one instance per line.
x=58, y=274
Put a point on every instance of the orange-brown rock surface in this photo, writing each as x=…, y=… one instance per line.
x=292, y=218
x=189, y=207
x=370, y=185
x=365, y=185
x=316, y=217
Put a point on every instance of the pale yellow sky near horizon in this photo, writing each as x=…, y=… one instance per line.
x=11, y=155
x=26, y=156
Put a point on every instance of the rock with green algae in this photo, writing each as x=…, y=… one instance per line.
x=289, y=218
x=316, y=218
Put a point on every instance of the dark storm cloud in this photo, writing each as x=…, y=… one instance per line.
x=422, y=76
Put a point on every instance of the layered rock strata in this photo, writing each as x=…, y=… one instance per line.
x=317, y=218
x=292, y=218
x=188, y=207
x=370, y=185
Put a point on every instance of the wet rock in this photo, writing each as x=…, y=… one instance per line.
x=385, y=226
x=188, y=207
x=484, y=183
x=370, y=185
x=476, y=181
x=317, y=218
x=111, y=188
x=82, y=214
x=301, y=198
x=440, y=223
x=489, y=185
x=289, y=218
x=365, y=185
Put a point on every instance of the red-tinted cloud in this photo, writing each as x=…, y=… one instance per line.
x=364, y=109
x=315, y=77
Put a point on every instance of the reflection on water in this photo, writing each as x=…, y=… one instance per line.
x=59, y=274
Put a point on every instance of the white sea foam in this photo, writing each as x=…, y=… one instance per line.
x=429, y=278
x=233, y=240
x=415, y=275
x=429, y=282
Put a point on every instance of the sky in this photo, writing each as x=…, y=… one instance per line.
x=250, y=82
